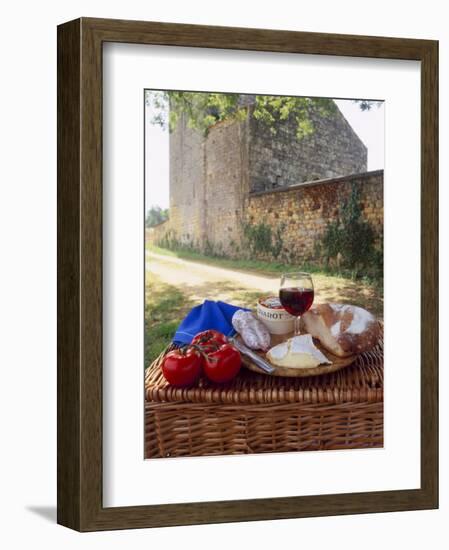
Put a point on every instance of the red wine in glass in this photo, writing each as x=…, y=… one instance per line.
x=296, y=300
x=296, y=294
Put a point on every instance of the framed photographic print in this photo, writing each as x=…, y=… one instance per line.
x=247, y=274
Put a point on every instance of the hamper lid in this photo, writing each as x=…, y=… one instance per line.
x=360, y=382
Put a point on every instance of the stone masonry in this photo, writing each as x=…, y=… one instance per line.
x=240, y=175
x=302, y=212
x=333, y=149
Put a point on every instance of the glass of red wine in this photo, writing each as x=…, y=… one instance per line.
x=296, y=294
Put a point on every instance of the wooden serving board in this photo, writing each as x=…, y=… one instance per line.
x=337, y=362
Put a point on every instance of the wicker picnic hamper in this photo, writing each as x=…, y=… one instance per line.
x=256, y=413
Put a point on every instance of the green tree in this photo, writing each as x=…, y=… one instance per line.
x=203, y=109
x=156, y=215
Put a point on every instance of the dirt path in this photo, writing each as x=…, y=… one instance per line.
x=170, y=269
x=199, y=281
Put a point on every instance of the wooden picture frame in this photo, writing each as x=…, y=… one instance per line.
x=80, y=503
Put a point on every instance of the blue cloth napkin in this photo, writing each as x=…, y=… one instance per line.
x=208, y=315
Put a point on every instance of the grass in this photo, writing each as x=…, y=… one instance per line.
x=165, y=307
x=261, y=267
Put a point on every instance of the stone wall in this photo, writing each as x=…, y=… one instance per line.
x=280, y=160
x=239, y=176
x=302, y=212
x=187, y=183
x=154, y=235
x=299, y=214
x=226, y=186
x=208, y=185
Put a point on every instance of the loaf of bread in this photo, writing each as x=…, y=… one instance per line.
x=342, y=329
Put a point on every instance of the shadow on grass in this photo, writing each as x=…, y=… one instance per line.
x=165, y=307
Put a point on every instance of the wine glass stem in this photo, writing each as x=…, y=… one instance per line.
x=297, y=325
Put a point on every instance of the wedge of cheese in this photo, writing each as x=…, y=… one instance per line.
x=298, y=352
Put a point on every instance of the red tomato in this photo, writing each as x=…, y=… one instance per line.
x=209, y=339
x=223, y=364
x=182, y=367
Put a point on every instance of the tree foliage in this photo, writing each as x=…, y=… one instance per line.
x=155, y=216
x=204, y=109
x=367, y=104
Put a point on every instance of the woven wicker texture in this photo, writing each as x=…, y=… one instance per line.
x=360, y=383
x=256, y=413
x=190, y=429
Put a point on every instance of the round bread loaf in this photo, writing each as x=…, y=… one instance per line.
x=342, y=329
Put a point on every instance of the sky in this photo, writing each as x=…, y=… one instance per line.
x=369, y=125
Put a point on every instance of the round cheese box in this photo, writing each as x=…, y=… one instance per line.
x=274, y=316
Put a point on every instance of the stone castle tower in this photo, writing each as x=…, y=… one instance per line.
x=213, y=177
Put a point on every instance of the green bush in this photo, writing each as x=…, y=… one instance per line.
x=352, y=240
x=258, y=237
x=261, y=240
